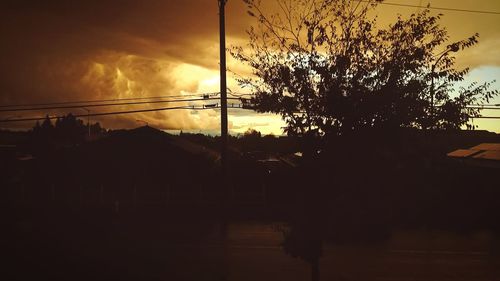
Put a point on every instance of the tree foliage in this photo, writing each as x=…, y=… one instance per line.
x=67, y=130
x=328, y=69
x=252, y=134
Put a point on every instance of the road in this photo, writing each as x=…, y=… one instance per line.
x=248, y=251
x=253, y=252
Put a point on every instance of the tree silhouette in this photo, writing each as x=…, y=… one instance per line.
x=37, y=127
x=252, y=134
x=327, y=69
x=303, y=240
x=67, y=130
x=46, y=126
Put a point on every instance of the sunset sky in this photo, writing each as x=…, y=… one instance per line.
x=57, y=50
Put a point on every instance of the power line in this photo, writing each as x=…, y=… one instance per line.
x=474, y=106
x=216, y=106
x=483, y=107
x=436, y=8
x=204, y=95
x=107, y=100
x=485, y=117
x=497, y=104
x=105, y=113
x=107, y=104
x=240, y=95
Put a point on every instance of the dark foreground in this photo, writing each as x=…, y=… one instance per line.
x=46, y=245
x=144, y=205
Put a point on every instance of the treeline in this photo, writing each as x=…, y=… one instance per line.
x=250, y=141
x=66, y=130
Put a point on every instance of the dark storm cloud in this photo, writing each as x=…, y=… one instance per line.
x=60, y=50
x=175, y=29
x=71, y=50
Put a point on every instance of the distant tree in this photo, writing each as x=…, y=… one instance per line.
x=327, y=69
x=70, y=130
x=67, y=130
x=96, y=129
x=251, y=140
x=42, y=136
x=37, y=127
x=46, y=125
x=252, y=134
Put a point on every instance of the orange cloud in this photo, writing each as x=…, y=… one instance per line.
x=59, y=50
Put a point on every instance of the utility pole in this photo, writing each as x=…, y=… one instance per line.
x=223, y=121
x=223, y=88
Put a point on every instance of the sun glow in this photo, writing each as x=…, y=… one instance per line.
x=210, y=84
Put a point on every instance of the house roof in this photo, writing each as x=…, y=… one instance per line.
x=484, y=154
x=487, y=147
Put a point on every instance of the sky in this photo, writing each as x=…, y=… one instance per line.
x=57, y=50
